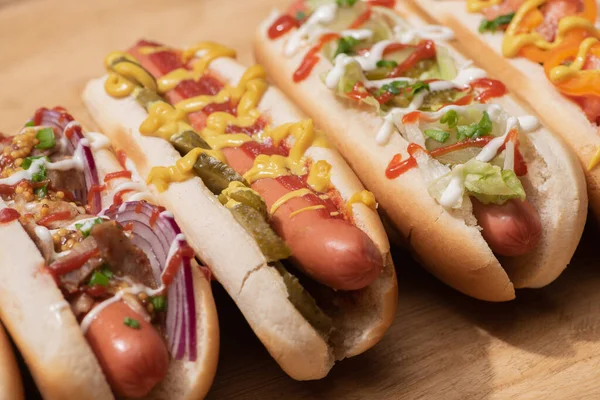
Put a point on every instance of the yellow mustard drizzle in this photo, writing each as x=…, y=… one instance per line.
x=211, y=51
x=287, y=197
x=595, y=160
x=334, y=213
x=123, y=77
x=365, y=197
x=161, y=177
x=562, y=72
x=147, y=50
x=514, y=41
x=309, y=208
x=319, y=176
x=164, y=120
x=478, y=5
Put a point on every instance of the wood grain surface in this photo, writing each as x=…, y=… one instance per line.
x=544, y=345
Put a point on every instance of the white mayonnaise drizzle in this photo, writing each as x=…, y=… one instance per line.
x=310, y=29
x=168, y=214
x=98, y=140
x=358, y=34
x=453, y=194
x=489, y=151
x=135, y=289
x=431, y=32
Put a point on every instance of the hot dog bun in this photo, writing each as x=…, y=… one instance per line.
x=234, y=257
x=11, y=386
x=524, y=78
x=554, y=185
x=46, y=332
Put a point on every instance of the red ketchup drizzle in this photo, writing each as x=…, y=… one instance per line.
x=96, y=290
x=382, y=3
x=93, y=190
x=174, y=263
x=155, y=213
x=361, y=19
x=57, y=216
x=129, y=226
x=281, y=26
x=62, y=267
x=424, y=50
x=138, y=208
x=492, y=88
x=122, y=157
x=8, y=215
x=8, y=189
x=118, y=197
x=411, y=117
x=116, y=175
x=312, y=57
x=397, y=166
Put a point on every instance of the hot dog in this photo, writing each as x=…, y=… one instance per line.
x=474, y=184
x=111, y=280
x=306, y=254
x=532, y=46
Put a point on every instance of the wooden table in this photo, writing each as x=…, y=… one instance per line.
x=546, y=344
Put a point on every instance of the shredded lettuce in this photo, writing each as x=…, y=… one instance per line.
x=487, y=182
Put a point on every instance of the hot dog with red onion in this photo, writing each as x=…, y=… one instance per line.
x=113, y=289
x=306, y=256
x=484, y=194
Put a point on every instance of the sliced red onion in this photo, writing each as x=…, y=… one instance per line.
x=156, y=240
x=66, y=127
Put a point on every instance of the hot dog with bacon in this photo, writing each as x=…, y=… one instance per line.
x=547, y=52
x=487, y=198
x=101, y=291
x=276, y=214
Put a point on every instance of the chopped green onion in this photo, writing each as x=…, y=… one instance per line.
x=46, y=138
x=437, y=135
x=132, y=323
x=450, y=119
x=300, y=15
x=345, y=45
x=159, y=303
x=87, y=226
x=496, y=23
x=345, y=3
x=42, y=192
x=28, y=161
x=386, y=64
x=477, y=129
x=418, y=86
x=99, y=278
x=30, y=123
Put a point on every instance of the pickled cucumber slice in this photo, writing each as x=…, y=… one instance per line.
x=304, y=302
x=271, y=245
x=215, y=174
x=187, y=141
x=145, y=97
x=245, y=195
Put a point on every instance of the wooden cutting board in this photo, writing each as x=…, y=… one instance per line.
x=544, y=345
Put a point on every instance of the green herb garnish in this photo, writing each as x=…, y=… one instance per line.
x=450, y=119
x=38, y=176
x=437, y=135
x=101, y=277
x=346, y=45
x=159, y=303
x=496, y=23
x=386, y=64
x=418, y=86
x=42, y=192
x=46, y=138
x=30, y=124
x=132, y=323
x=300, y=15
x=475, y=130
x=87, y=226
x=345, y=3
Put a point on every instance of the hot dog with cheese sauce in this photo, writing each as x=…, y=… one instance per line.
x=306, y=257
x=104, y=274
x=476, y=185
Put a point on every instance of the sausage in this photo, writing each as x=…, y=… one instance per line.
x=511, y=229
x=133, y=360
x=334, y=252
x=331, y=251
